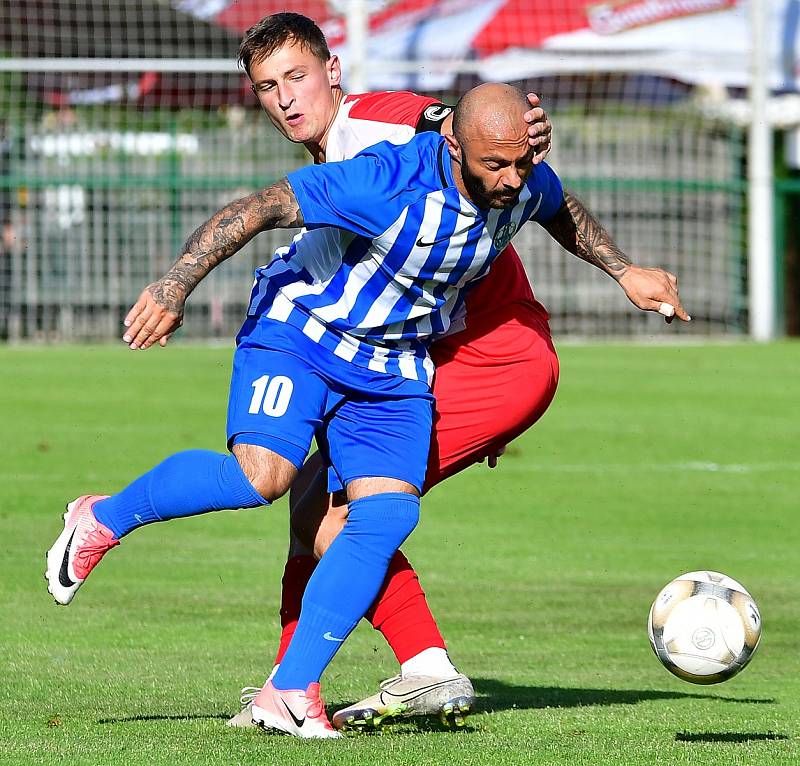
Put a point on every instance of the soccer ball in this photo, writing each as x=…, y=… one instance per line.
x=704, y=627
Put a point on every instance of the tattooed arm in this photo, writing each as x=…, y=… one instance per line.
x=159, y=310
x=578, y=231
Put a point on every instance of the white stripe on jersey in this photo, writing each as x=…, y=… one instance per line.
x=378, y=361
x=408, y=368
x=395, y=290
x=281, y=308
x=347, y=350
x=428, y=366
x=314, y=329
x=361, y=273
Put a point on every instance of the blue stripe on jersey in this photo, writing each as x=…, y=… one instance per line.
x=390, y=266
x=336, y=286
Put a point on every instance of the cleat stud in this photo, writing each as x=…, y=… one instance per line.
x=453, y=713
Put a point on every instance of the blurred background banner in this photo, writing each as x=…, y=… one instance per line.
x=425, y=44
x=124, y=125
x=698, y=41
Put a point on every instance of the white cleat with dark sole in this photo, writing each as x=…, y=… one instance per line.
x=450, y=699
x=244, y=718
x=293, y=711
x=77, y=550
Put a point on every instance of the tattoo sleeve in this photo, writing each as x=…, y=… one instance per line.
x=579, y=232
x=224, y=234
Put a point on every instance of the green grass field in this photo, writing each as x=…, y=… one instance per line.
x=652, y=461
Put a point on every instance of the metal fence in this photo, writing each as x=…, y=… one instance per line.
x=100, y=211
x=100, y=189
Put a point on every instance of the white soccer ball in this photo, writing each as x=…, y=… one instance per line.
x=704, y=627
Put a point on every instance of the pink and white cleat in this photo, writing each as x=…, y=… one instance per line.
x=77, y=550
x=293, y=711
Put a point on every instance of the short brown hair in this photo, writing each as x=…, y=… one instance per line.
x=273, y=32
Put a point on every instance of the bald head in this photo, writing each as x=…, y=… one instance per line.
x=491, y=155
x=492, y=110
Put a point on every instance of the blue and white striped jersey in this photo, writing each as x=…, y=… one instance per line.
x=389, y=249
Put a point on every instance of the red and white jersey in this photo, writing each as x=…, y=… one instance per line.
x=365, y=119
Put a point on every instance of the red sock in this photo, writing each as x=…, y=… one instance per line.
x=296, y=575
x=402, y=614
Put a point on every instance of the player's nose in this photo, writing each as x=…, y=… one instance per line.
x=285, y=97
x=512, y=180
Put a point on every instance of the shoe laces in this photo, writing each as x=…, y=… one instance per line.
x=390, y=681
x=316, y=707
x=93, y=548
x=248, y=694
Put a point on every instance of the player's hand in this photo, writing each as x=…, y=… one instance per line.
x=539, y=128
x=654, y=290
x=154, y=317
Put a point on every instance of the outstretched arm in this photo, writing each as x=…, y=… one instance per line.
x=578, y=231
x=159, y=310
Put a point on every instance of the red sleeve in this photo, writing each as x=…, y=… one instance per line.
x=400, y=107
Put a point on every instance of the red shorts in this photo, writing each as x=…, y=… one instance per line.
x=495, y=378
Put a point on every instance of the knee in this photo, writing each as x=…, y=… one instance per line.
x=391, y=517
x=314, y=533
x=270, y=474
x=409, y=518
x=331, y=525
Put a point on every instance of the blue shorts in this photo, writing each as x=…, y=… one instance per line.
x=286, y=389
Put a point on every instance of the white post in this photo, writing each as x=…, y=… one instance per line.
x=761, y=250
x=357, y=22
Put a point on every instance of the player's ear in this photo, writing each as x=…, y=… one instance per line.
x=334, y=68
x=453, y=147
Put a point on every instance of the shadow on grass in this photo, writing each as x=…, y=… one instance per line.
x=417, y=725
x=421, y=724
x=187, y=717
x=494, y=695
x=500, y=695
x=727, y=736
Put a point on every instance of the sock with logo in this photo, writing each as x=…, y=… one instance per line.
x=186, y=484
x=356, y=565
x=402, y=614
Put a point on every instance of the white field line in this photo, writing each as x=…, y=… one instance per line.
x=666, y=467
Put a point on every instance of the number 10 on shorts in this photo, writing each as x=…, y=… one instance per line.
x=271, y=395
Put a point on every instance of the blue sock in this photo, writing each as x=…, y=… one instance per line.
x=345, y=583
x=186, y=484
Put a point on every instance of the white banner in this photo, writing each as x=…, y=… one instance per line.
x=698, y=41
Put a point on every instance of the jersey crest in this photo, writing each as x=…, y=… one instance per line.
x=504, y=234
